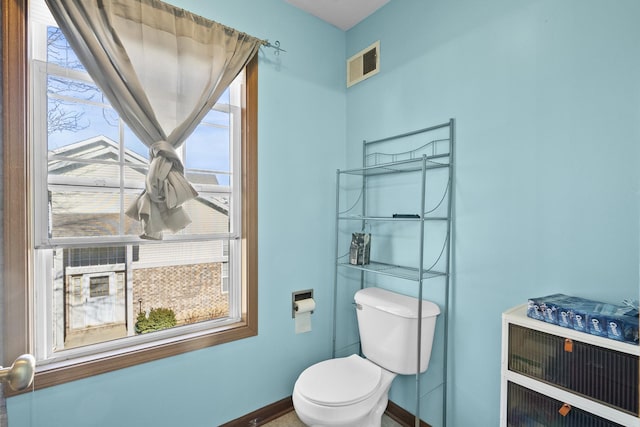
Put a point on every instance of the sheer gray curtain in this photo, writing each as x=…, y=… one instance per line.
x=162, y=68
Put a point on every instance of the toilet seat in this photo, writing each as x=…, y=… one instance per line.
x=339, y=382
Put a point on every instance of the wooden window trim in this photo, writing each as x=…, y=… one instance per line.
x=16, y=221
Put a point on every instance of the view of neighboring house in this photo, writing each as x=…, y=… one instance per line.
x=99, y=291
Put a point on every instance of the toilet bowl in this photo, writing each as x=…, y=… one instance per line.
x=353, y=391
x=349, y=391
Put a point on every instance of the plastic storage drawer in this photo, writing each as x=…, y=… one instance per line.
x=598, y=373
x=528, y=408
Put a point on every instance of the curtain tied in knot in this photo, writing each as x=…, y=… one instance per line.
x=159, y=206
x=163, y=158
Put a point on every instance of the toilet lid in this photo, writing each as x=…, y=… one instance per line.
x=339, y=382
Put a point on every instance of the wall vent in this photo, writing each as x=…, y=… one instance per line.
x=363, y=64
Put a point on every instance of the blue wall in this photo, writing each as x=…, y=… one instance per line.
x=301, y=138
x=547, y=103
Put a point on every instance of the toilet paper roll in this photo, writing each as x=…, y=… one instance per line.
x=303, y=309
x=305, y=305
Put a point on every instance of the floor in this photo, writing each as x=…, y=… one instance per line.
x=291, y=420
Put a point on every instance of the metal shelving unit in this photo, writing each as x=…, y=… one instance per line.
x=416, y=154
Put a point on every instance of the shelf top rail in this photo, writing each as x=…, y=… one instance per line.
x=433, y=143
x=431, y=150
x=407, y=165
x=407, y=134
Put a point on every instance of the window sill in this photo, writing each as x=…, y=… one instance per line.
x=75, y=369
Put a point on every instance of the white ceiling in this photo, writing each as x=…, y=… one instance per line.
x=344, y=14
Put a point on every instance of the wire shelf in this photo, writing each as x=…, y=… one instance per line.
x=408, y=273
x=391, y=218
x=410, y=165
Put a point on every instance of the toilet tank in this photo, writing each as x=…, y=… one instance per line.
x=388, y=325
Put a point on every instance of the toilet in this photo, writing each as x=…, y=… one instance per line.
x=353, y=391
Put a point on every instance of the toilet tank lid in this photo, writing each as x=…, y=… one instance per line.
x=396, y=304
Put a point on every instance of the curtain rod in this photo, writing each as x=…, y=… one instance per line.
x=275, y=46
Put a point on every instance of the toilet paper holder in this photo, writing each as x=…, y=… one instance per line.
x=298, y=296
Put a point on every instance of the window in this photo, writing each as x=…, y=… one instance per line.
x=91, y=275
x=99, y=286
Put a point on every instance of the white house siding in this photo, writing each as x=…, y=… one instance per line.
x=167, y=254
x=206, y=218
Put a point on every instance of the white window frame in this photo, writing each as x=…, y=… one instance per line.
x=43, y=321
